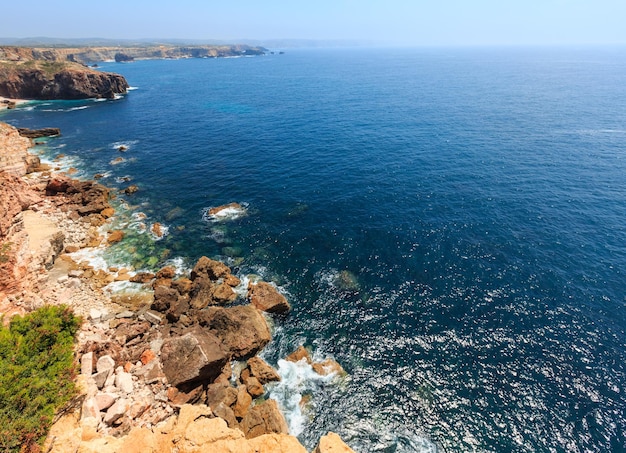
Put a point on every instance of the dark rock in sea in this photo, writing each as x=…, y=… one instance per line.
x=131, y=189
x=37, y=133
x=123, y=58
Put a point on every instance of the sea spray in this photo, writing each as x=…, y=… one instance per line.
x=297, y=379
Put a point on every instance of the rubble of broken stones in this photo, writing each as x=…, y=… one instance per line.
x=140, y=367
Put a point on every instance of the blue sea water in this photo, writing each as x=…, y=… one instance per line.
x=449, y=224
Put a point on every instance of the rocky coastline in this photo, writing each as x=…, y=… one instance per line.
x=44, y=80
x=94, y=54
x=174, y=366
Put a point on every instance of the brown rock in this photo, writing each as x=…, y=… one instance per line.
x=242, y=329
x=218, y=209
x=166, y=272
x=191, y=395
x=264, y=418
x=196, y=356
x=327, y=367
x=115, y=236
x=244, y=400
x=267, y=298
x=219, y=393
x=157, y=230
x=142, y=277
x=147, y=356
x=299, y=354
x=254, y=387
x=332, y=443
x=276, y=443
x=164, y=297
x=211, y=268
x=107, y=213
x=182, y=285
x=132, y=188
x=226, y=413
x=223, y=293
x=262, y=371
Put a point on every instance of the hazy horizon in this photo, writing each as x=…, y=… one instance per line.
x=393, y=23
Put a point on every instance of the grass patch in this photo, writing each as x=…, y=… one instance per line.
x=37, y=372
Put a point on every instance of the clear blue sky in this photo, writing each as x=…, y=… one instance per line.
x=409, y=22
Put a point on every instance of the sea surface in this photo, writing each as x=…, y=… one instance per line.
x=448, y=224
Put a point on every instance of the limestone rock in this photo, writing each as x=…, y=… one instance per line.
x=276, y=443
x=264, y=418
x=105, y=363
x=266, y=297
x=332, y=443
x=262, y=371
x=86, y=364
x=242, y=329
x=244, y=400
x=299, y=354
x=196, y=356
x=116, y=411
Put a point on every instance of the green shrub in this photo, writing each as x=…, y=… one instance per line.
x=37, y=374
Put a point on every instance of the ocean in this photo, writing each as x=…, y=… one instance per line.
x=448, y=224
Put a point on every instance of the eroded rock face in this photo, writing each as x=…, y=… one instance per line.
x=196, y=356
x=71, y=82
x=14, y=157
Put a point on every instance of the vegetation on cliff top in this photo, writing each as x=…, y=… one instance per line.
x=37, y=373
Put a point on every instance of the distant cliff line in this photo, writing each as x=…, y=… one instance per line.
x=90, y=55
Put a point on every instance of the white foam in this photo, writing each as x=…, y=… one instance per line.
x=227, y=213
x=93, y=256
x=132, y=88
x=296, y=379
x=178, y=263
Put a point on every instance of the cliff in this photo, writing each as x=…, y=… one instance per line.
x=89, y=55
x=40, y=79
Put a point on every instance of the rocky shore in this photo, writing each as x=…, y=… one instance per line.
x=173, y=366
x=41, y=79
x=93, y=54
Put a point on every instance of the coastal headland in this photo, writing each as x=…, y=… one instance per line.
x=170, y=366
x=64, y=73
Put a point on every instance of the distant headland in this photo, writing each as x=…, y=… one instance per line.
x=44, y=73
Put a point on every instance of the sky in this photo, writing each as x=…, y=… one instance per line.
x=383, y=22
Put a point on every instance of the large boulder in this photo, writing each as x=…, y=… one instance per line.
x=195, y=356
x=267, y=298
x=264, y=418
x=332, y=443
x=262, y=370
x=242, y=329
x=212, y=284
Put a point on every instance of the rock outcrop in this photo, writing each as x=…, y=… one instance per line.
x=14, y=156
x=44, y=80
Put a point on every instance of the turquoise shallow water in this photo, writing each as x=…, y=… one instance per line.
x=448, y=224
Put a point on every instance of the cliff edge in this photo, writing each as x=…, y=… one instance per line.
x=45, y=80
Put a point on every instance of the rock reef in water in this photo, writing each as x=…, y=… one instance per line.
x=43, y=80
